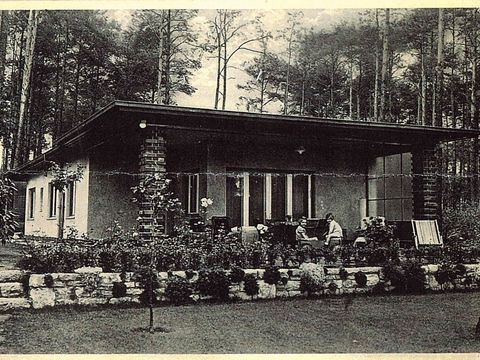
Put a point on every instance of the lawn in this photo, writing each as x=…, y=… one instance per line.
x=423, y=323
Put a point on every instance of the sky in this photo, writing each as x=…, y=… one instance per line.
x=204, y=80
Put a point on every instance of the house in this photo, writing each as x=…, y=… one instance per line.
x=253, y=166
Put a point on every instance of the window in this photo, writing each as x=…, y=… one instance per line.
x=192, y=194
x=390, y=187
x=71, y=189
x=31, y=203
x=258, y=196
x=52, y=200
x=41, y=200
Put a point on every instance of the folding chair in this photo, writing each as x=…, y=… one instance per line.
x=426, y=233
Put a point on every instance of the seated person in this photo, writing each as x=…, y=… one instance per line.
x=301, y=231
x=334, y=230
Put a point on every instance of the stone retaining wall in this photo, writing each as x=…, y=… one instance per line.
x=91, y=286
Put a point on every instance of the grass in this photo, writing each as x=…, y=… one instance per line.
x=10, y=253
x=422, y=323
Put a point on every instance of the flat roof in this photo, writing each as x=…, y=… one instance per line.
x=129, y=113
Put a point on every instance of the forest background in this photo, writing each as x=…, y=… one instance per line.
x=404, y=66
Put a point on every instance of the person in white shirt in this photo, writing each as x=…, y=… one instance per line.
x=334, y=229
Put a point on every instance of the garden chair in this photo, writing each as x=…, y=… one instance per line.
x=426, y=233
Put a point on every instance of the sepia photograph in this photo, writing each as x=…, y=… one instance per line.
x=207, y=180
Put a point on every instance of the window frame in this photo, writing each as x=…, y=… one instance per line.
x=268, y=194
x=193, y=182
x=52, y=201
x=71, y=199
x=31, y=203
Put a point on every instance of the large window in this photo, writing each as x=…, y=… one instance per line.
x=193, y=193
x=257, y=196
x=31, y=203
x=52, y=200
x=71, y=192
x=390, y=187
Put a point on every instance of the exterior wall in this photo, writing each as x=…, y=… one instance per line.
x=113, y=173
x=216, y=186
x=339, y=175
x=42, y=224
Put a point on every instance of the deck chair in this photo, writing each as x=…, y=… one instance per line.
x=426, y=233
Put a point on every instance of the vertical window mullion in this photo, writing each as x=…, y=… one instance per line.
x=289, y=191
x=246, y=199
x=309, y=182
x=268, y=196
x=197, y=192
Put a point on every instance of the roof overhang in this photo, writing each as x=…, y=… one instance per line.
x=120, y=115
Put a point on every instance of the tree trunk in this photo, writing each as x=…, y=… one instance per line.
x=452, y=75
x=225, y=68
x=377, y=70
x=30, y=45
x=474, y=106
x=3, y=50
x=359, y=91
x=76, y=87
x=350, y=92
x=168, y=58
x=287, y=79
x=219, y=68
x=160, y=60
x=4, y=25
x=424, y=88
x=16, y=86
x=438, y=86
x=385, y=60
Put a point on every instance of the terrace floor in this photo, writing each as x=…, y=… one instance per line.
x=422, y=323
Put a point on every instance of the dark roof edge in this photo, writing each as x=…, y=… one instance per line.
x=168, y=109
x=131, y=105
x=66, y=137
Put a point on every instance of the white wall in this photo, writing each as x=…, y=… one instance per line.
x=41, y=224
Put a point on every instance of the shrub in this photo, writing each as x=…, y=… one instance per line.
x=119, y=289
x=312, y=279
x=189, y=274
x=444, y=275
x=343, y=273
x=332, y=287
x=407, y=276
x=48, y=280
x=250, y=285
x=107, y=260
x=382, y=245
x=214, y=283
x=449, y=273
x=379, y=288
x=309, y=285
x=415, y=277
x=271, y=275
x=178, y=290
x=461, y=232
x=237, y=274
x=360, y=279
